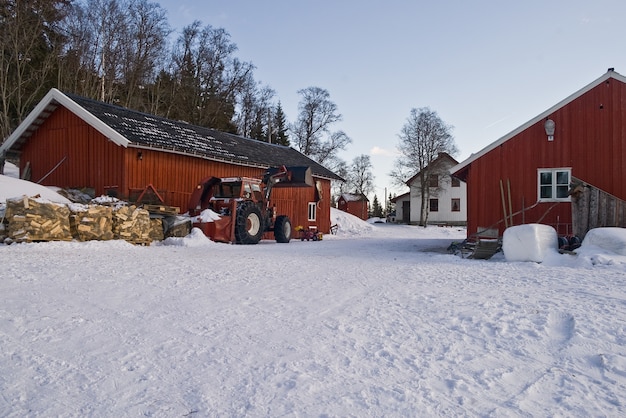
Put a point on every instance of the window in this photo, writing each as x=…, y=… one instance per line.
x=456, y=205
x=553, y=184
x=312, y=211
x=434, y=205
x=434, y=180
x=456, y=182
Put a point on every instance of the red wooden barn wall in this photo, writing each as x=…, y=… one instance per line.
x=91, y=160
x=589, y=138
x=357, y=208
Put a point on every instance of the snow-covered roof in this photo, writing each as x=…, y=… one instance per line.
x=130, y=128
x=352, y=197
x=609, y=74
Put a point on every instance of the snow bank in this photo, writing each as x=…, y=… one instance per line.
x=531, y=242
x=11, y=187
x=195, y=239
x=349, y=225
x=606, y=239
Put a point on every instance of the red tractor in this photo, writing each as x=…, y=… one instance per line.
x=244, y=207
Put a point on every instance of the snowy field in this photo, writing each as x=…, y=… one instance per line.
x=378, y=320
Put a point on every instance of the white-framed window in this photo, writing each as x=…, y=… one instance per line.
x=312, y=211
x=553, y=184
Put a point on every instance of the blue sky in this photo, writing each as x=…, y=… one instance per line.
x=486, y=67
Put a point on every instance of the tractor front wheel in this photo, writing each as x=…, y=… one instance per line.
x=249, y=226
x=282, y=229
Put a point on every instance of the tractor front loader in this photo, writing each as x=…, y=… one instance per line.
x=244, y=207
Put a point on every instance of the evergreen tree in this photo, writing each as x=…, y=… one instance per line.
x=279, y=127
x=377, y=210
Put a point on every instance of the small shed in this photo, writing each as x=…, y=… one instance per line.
x=74, y=142
x=355, y=204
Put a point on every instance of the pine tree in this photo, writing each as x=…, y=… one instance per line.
x=280, y=136
x=377, y=210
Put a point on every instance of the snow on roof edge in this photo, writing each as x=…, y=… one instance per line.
x=56, y=95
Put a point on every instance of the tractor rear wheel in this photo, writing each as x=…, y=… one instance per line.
x=249, y=226
x=282, y=229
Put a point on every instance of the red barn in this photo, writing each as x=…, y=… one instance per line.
x=525, y=176
x=73, y=142
x=354, y=204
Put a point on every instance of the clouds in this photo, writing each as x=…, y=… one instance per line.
x=384, y=152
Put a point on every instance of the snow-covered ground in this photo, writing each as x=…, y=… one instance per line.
x=378, y=320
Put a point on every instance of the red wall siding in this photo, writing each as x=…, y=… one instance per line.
x=88, y=159
x=589, y=138
x=92, y=161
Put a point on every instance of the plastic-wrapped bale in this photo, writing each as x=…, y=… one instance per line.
x=37, y=220
x=91, y=222
x=530, y=242
x=132, y=224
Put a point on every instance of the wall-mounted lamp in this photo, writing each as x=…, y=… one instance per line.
x=549, y=127
x=139, y=155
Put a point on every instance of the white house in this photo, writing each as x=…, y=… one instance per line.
x=447, y=196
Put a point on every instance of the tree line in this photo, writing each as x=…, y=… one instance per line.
x=122, y=52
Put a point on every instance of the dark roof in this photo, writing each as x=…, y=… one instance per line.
x=128, y=127
x=147, y=130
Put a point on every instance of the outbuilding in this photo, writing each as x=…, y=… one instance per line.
x=355, y=204
x=74, y=142
x=531, y=174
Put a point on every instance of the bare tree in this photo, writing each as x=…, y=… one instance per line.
x=211, y=79
x=29, y=45
x=312, y=130
x=114, y=49
x=422, y=139
x=142, y=50
x=255, y=109
x=359, y=176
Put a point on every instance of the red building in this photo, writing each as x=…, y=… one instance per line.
x=524, y=177
x=73, y=142
x=354, y=204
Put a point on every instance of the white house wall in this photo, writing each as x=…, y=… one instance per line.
x=445, y=193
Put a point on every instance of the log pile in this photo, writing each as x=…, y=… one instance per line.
x=91, y=222
x=156, y=229
x=132, y=224
x=31, y=219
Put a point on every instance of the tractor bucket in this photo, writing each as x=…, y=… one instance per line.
x=297, y=176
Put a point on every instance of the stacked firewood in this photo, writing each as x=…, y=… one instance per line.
x=91, y=222
x=156, y=229
x=32, y=219
x=132, y=224
x=29, y=219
